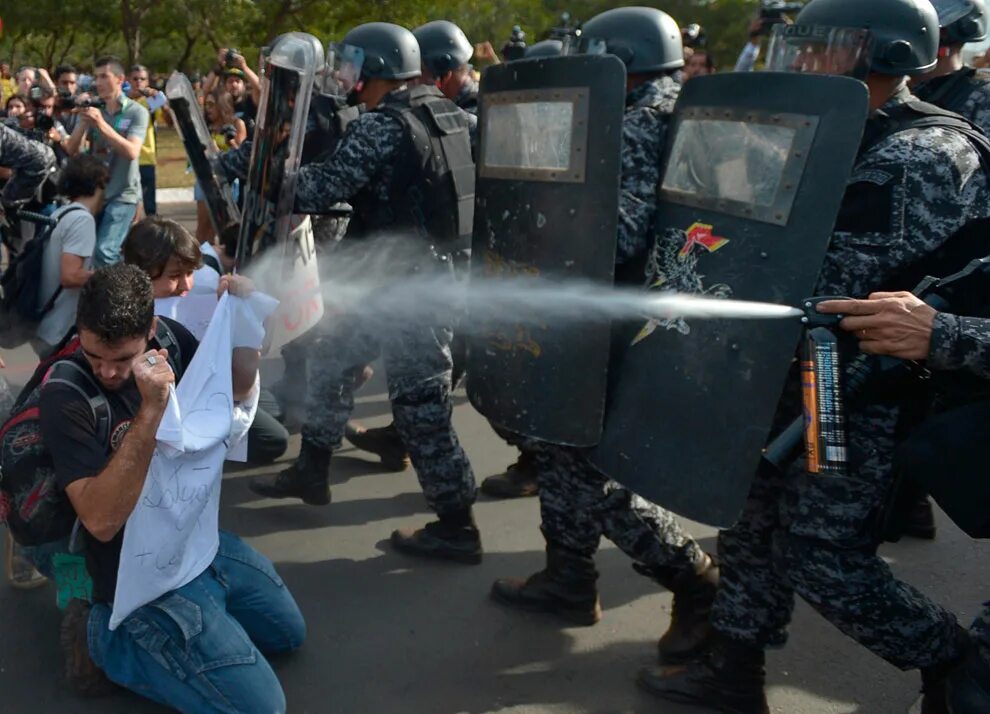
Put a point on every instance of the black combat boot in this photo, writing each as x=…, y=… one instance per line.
x=384, y=442
x=308, y=478
x=969, y=684
x=566, y=587
x=936, y=681
x=730, y=679
x=453, y=536
x=919, y=520
x=518, y=481
x=689, y=634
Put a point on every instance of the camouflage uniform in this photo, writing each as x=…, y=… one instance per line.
x=966, y=92
x=31, y=161
x=417, y=357
x=964, y=343
x=578, y=503
x=817, y=535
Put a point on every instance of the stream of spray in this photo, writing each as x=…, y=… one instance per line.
x=367, y=283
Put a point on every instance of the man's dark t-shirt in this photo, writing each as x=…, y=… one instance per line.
x=69, y=431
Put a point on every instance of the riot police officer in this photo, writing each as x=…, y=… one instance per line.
x=406, y=177
x=446, y=53
x=949, y=447
x=951, y=85
x=578, y=503
x=31, y=162
x=914, y=190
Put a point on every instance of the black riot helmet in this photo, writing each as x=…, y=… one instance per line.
x=962, y=21
x=903, y=35
x=389, y=51
x=544, y=48
x=644, y=38
x=443, y=47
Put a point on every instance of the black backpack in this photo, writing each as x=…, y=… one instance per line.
x=35, y=510
x=21, y=308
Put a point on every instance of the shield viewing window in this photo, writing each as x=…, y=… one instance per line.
x=535, y=135
x=742, y=163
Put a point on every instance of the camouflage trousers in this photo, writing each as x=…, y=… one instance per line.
x=418, y=366
x=579, y=504
x=817, y=536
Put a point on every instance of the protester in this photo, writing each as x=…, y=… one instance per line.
x=141, y=92
x=228, y=131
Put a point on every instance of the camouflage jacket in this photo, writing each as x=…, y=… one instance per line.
x=31, y=162
x=960, y=343
x=644, y=132
x=906, y=197
x=966, y=92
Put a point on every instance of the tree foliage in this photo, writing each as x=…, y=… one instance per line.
x=186, y=34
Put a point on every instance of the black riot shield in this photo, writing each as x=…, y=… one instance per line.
x=756, y=167
x=202, y=152
x=547, y=208
x=288, y=75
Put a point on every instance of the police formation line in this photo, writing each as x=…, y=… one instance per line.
x=857, y=168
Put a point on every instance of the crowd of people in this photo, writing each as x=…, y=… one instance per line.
x=114, y=355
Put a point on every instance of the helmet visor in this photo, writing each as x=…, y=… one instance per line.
x=343, y=70
x=950, y=11
x=820, y=50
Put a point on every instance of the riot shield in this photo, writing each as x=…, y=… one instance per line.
x=756, y=167
x=288, y=75
x=546, y=207
x=202, y=152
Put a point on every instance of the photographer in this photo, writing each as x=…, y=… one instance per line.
x=40, y=123
x=772, y=12
x=141, y=92
x=67, y=87
x=115, y=133
x=240, y=81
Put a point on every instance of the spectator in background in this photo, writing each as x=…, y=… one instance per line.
x=115, y=134
x=8, y=86
x=67, y=85
x=68, y=256
x=242, y=83
x=141, y=90
x=15, y=106
x=699, y=63
x=26, y=77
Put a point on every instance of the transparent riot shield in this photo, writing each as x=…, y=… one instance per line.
x=202, y=152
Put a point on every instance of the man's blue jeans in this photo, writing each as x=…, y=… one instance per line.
x=201, y=648
x=111, y=229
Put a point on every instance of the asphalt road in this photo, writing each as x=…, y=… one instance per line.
x=392, y=634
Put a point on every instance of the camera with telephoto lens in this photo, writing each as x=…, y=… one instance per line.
x=231, y=57
x=229, y=132
x=65, y=100
x=94, y=102
x=694, y=36
x=515, y=48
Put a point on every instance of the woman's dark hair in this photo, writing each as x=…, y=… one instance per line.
x=224, y=103
x=116, y=303
x=15, y=98
x=154, y=240
x=83, y=176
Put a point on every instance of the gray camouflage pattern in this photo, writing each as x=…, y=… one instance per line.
x=644, y=131
x=975, y=105
x=817, y=536
x=960, y=343
x=31, y=161
x=578, y=503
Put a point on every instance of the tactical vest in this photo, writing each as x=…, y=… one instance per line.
x=431, y=192
x=952, y=90
x=973, y=240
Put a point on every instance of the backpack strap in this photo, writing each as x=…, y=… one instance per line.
x=45, y=237
x=72, y=375
x=166, y=341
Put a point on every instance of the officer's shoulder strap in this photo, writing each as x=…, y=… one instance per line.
x=952, y=89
